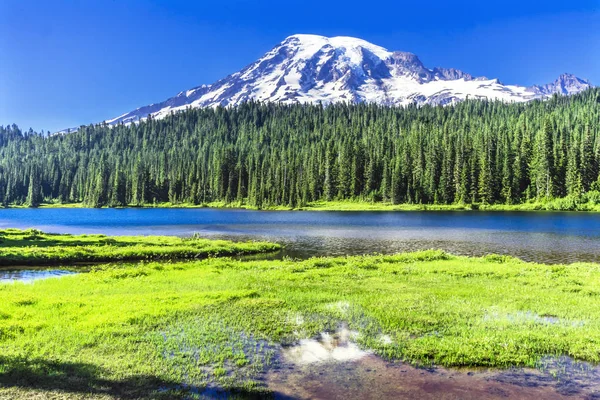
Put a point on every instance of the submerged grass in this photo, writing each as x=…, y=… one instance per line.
x=173, y=329
x=33, y=247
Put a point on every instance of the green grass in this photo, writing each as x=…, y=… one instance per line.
x=582, y=203
x=33, y=247
x=126, y=331
x=379, y=206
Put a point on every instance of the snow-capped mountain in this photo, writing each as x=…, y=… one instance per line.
x=566, y=84
x=311, y=69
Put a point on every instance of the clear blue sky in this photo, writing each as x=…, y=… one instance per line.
x=65, y=63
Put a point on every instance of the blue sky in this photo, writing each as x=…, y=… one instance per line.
x=65, y=63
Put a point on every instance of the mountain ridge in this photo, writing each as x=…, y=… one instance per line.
x=311, y=69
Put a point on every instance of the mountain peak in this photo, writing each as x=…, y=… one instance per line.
x=336, y=41
x=307, y=68
x=565, y=84
x=571, y=79
x=312, y=44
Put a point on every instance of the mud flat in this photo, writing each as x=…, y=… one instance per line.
x=333, y=367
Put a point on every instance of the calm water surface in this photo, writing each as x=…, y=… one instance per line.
x=532, y=236
x=29, y=275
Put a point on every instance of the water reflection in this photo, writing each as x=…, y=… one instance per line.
x=538, y=247
x=371, y=377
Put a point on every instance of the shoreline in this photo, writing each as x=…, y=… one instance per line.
x=350, y=206
x=35, y=248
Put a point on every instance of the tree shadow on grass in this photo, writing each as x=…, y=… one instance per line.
x=88, y=379
x=73, y=378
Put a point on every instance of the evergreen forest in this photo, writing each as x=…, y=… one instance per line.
x=267, y=155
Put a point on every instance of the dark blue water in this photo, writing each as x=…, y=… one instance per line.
x=535, y=236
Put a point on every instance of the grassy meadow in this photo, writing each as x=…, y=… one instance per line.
x=588, y=202
x=33, y=247
x=169, y=329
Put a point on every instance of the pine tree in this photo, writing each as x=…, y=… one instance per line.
x=543, y=161
x=588, y=164
x=573, y=175
x=34, y=193
x=119, y=189
x=329, y=183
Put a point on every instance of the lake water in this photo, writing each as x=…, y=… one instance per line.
x=533, y=236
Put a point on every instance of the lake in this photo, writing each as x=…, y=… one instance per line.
x=548, y=237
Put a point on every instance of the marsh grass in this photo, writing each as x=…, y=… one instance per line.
x=587, y=202
x=183, y=327
x=582, y=204
x=33, y=247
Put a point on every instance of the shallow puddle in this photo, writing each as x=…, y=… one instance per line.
x=29, y=275
x=373, y=378
x=333, y=367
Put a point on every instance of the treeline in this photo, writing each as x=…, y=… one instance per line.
x=268, y=154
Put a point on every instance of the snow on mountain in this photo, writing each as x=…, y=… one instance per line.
x=566, y=84
x=312, y=69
